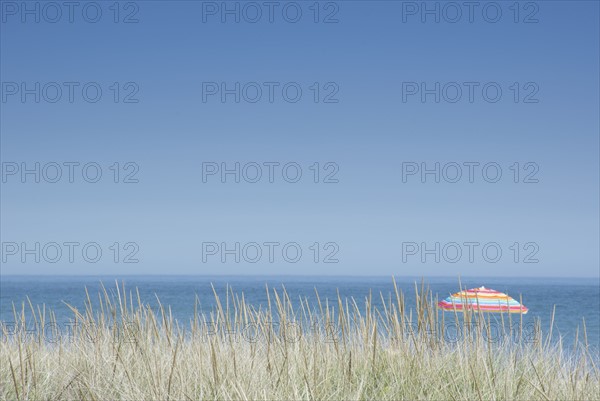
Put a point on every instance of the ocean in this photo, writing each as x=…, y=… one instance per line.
x=575, y=299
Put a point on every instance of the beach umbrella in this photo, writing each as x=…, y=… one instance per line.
x=481, y=299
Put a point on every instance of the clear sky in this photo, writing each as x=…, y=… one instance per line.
x=386, y=92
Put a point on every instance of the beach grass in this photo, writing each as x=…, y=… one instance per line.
x=120, y=348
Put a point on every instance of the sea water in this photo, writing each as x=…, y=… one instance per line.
x=575, y=300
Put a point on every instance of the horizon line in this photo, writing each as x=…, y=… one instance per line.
x=284, y=275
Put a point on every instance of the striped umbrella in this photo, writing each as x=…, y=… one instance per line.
x=482, y=299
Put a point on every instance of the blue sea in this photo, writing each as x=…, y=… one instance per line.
x=574, y=299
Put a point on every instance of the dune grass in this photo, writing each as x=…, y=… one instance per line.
x=338, y=349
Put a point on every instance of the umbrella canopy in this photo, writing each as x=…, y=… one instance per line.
x=482, y=299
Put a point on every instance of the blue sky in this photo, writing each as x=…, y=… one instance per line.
x=366, y=123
